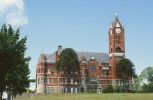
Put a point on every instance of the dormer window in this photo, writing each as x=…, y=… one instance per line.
x=92, y=58
x=118, y=25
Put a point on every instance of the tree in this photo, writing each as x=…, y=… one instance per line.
x=68, y=64
x=146, y=77
x=147, y=88
x=14, y=70
x=125, y=71
x=136, y=84
x=147, y=74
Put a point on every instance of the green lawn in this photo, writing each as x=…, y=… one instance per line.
x=113, y=96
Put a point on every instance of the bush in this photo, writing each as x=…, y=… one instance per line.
x=119, y=89
x=147, y=88
x=108, y=89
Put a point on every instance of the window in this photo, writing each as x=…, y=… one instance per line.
x=42, y=80
x=76, y=90
x=92, y=77
x=76, y=82
x=65, y=90
x=65, y=81
x=82, y=81
x=83, y=71
x=51, y=80
x=92, y=69
x=38, y=80
x=105, y=73
x=52, y=89
x=42, y=70
x=111, y=49
x=52, y=71
x=48, y=80
x=117, y=39
x=48, y=71
x=71, y=90
x=48, y=89
x=118, y=57
x=38, y=70
x=62, y=81
x=71, y=81
x=118, y=49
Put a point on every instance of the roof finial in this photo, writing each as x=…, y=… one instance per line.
x=116, y=14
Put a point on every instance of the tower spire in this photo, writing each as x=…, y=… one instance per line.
x=116, y=14
x=116, y=17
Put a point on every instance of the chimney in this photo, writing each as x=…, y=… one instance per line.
x=59, y=50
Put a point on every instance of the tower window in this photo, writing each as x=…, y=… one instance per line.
x=111, y=49
x=118, y=49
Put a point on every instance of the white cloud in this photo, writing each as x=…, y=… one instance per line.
x=12, y=11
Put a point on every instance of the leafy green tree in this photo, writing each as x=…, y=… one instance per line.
x=147, y=88
x=136, y=84
x=68, y=64
x=146, y=77
x=14, y=70
x=125, y=71
x=147, y=74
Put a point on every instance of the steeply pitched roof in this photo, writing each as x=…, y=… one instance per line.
x=100, y=57
x=116, y=23
x=50, y=58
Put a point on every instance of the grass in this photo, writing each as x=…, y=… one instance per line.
x=107, y=96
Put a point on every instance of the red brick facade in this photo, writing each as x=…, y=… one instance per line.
x=98, y=70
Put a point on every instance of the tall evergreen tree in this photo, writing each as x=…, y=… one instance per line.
x=125, y=71
x=68, y=64
x=14, y=70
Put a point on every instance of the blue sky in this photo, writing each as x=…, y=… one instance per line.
x=83, y=25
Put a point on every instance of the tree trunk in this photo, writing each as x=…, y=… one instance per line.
x=1, y=94
x=9, y=96
x=68, y=85
x=124, y=86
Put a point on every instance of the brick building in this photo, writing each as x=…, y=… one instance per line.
x=98, y=70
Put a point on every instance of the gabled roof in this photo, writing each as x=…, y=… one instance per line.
x=50, y=58
x=100, y=57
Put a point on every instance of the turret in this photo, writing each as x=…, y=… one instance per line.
x=40, y=74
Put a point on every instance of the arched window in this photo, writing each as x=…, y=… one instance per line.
x=111, y=49
x=118, y=49
x=92, y=69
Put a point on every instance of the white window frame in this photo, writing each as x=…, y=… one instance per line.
x=71, y=90
x=65, y=81
x=48, y=81
x=71, y=81
x=65, y=90
x=48, y=71
x=76, y=90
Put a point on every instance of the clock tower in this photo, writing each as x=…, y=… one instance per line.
x=116, y=46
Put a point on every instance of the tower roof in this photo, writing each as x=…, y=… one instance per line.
x=82, y=58
x=116, y=22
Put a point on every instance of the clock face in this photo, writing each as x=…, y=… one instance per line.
x=118, y=30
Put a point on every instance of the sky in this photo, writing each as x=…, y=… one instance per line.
x=82, y=25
